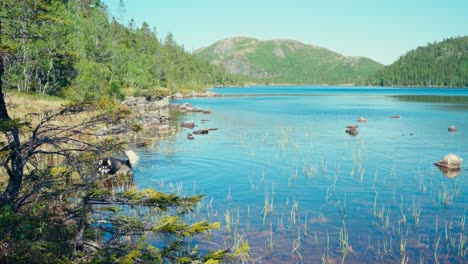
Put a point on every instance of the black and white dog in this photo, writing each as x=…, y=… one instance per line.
x=117, y=166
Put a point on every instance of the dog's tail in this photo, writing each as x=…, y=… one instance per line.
x=132, y=157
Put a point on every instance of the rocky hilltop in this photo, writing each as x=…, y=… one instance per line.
x=287, y=61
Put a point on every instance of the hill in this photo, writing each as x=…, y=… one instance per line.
x=287, y=61
x=443, y=64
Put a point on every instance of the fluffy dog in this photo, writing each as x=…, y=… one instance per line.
x=117, y=166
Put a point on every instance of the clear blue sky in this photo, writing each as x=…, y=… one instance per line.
x=379, y=29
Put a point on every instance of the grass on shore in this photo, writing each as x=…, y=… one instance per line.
x=20, y=104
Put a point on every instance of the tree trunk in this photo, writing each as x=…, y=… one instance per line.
x=16, y=163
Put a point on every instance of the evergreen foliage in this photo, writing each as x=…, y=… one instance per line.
x=72, y=49
x=443, y=64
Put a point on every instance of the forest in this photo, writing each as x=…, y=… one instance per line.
x=73, y=49
x=443, y=64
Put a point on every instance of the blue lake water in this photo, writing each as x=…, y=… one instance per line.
x=282, y=174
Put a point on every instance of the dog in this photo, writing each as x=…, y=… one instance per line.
x=114, y=166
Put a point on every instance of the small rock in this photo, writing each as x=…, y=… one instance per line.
x=188, y=124
x=177, y=96
x=190, y=136
x=201, y=131
x=352, y=131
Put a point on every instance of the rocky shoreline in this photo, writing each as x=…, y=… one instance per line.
x=154, y=116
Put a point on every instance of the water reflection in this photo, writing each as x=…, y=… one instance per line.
x=451, y=102
x=449, y=173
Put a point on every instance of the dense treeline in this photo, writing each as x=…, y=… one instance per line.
x=435, y=65
x=71, y=48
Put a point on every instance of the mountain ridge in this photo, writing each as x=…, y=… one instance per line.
x=287, y=61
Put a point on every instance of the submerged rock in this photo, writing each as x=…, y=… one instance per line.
x=188, y=124
x=190, y=136
x=395, y=116
x=352, y=131
x=452, y=129
x=450, y=161
x=204, y=131
x=201, y=131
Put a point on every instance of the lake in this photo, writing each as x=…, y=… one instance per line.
x=282, y=174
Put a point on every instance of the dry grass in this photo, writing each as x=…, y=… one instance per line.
x=21, y=104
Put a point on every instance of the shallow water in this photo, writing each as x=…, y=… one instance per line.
x=282, y=174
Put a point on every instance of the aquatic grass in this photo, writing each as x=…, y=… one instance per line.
x=270, y=241
x=293, y=213
x=345, y=248
x=403, y=243
x=308, y=170
x=416, y=212
x=462, y=248
x=445, y=198
x=462, y=222
x=241, y=248
x=296, y=245
x=305, y=225
x=323, y=167
x=404, y=259
x=228, y=221
x=446, y=232
x=284, y=139
x=402, y=218
x=281, y=220
x=386, y=226
x=268, y=203
x=326, y=259
x=229, y=196
x=436, y=249
x=457, y=189
x=252, y=186
x=361, y=175
x=425, y=243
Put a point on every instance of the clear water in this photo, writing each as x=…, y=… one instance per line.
x=282, y=174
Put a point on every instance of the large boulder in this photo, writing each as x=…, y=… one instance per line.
x=450, y=161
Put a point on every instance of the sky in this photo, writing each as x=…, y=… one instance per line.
x=382, y=30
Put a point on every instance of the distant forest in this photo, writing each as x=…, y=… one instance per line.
x=73, y=49
x=443, y=64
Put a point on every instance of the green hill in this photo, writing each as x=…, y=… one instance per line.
x=288, y=61
x=437, y=64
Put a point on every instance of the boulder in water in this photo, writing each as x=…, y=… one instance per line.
x=450, y=161
x=452, y=129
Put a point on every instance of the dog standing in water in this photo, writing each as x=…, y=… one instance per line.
x=117, y=166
